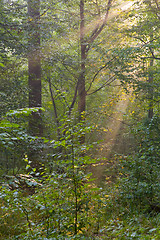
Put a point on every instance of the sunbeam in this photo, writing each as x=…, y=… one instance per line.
x=113, y=125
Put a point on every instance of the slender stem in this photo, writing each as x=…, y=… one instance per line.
x=54, y=106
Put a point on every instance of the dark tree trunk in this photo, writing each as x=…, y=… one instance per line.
x=81, y=80
x=85, y=44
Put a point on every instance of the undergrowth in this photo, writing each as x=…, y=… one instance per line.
x=65, y=203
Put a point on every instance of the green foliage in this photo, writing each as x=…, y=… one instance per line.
x=62, y=201
x=67, y=204
x=14, y=139
x=12, y=131
x=11, y=28
x=141, y=170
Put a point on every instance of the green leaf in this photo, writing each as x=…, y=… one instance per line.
x=1, y=64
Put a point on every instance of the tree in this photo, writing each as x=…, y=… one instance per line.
x=138, y=60
x=85, y=43
x=72, y=73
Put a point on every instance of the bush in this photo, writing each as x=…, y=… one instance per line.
x=141, y=170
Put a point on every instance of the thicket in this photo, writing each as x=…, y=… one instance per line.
x=64, y=202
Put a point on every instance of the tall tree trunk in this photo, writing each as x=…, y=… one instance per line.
x=81, y=80
x=85, y=44
x=34, y=71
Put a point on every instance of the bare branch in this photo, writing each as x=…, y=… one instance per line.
x=152, y=52
x=54, y=106
x=108, y=82
x=96, y=74
x=74, y=99
x=157, y=4
x=67, y=68
x=99, y=28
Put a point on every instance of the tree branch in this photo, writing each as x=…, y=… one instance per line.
x=74, y=100
x=145, y=43
x=153, y=9
x=99, y=28
x=96, y=74
x=108, y=82
x=54, y=106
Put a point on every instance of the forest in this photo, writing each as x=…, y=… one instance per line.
x=79, y=119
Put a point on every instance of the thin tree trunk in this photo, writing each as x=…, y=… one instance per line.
x=55, y=109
